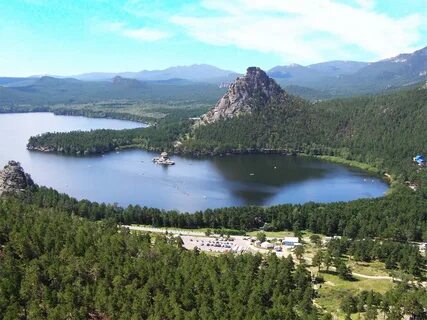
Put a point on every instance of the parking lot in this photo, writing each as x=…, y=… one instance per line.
x=236, y=245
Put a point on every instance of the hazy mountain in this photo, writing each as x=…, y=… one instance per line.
x=293, y=72
x=97, y=76
x=343, y=78
x=17, y=82
x=296, y=74
x=403, y=69
x=9, y=80
x=50, y=90
x=335, y=68
x=196, y=72
x=316, y=81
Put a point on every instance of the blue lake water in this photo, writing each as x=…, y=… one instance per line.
x=130, y=177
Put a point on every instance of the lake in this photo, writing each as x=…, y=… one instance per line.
x=130, y=177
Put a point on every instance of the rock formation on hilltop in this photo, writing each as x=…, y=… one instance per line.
x=247, y=94
x=125, y=82
x=13, y=179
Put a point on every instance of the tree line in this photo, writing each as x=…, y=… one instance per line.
x=400, y=216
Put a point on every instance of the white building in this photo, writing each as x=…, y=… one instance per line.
x=267, y=245
x=290, y=242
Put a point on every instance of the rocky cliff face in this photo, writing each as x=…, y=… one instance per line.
x=13, y=179
x=247, y=94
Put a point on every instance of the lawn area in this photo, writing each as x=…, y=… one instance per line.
x=272, y=234
x=374, y=268
x=334, y=289
x=281, y=234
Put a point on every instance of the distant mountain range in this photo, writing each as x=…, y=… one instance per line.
x=343, y=78
x=316, y=81
x=49, y=90
x=298, y=74
x=195, y=72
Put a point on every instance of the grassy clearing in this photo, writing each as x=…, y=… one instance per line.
x=281, y=234
x=203, y=230
x=272, y=234
x=334, y=289
x=374, y=268
x=350, y=163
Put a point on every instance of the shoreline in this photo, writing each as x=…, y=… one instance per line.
x=78, y=113
x=200, y=154
x=353, y=164
x=206, y=153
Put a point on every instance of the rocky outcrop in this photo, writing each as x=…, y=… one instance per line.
x=247, y=94
x=125, y=82
x=13, y=179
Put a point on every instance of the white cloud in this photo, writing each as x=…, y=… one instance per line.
x=142, y=34
x=302, y=30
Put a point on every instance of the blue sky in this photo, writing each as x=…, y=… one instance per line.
x=69, y=37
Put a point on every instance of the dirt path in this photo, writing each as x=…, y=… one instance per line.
x=372, y=277
x=365, y=276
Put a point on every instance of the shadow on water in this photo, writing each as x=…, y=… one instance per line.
x=258, y=177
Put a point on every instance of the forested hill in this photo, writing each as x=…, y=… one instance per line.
x=56, y=266
x=385, y=131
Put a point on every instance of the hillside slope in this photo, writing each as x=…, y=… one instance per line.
x=347, y=78
x=385, y=131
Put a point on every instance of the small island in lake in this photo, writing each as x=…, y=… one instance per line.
x=163, y=159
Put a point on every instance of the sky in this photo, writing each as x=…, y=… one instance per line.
x=69, y=37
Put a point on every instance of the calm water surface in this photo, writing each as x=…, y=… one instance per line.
x=130, y=177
